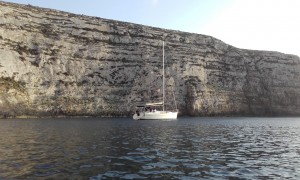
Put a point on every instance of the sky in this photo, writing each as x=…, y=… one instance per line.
x=272, y=25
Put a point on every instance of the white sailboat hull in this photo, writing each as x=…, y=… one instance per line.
x=157, y=115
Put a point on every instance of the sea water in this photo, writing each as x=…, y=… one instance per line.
x=122, y=148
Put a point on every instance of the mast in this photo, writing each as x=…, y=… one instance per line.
x=163, y=76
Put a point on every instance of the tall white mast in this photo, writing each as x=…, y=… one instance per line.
x=163, y=76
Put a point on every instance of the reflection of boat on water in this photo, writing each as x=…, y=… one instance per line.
x=149, y=110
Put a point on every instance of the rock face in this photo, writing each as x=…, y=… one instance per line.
x=55, y=63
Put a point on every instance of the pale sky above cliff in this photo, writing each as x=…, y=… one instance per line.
x=251, y=24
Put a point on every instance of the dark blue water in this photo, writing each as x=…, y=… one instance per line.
x=121, y=148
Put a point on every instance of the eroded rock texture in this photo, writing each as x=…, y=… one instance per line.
x=56, y=63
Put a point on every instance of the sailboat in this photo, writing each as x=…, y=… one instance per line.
x=148, y=111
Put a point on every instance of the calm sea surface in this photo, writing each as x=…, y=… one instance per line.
x=121, y=148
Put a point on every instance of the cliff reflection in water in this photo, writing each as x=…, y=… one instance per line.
x=123, y=148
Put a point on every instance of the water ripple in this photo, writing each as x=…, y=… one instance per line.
x=190, y=148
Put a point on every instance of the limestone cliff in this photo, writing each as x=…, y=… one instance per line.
x=56, y=63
